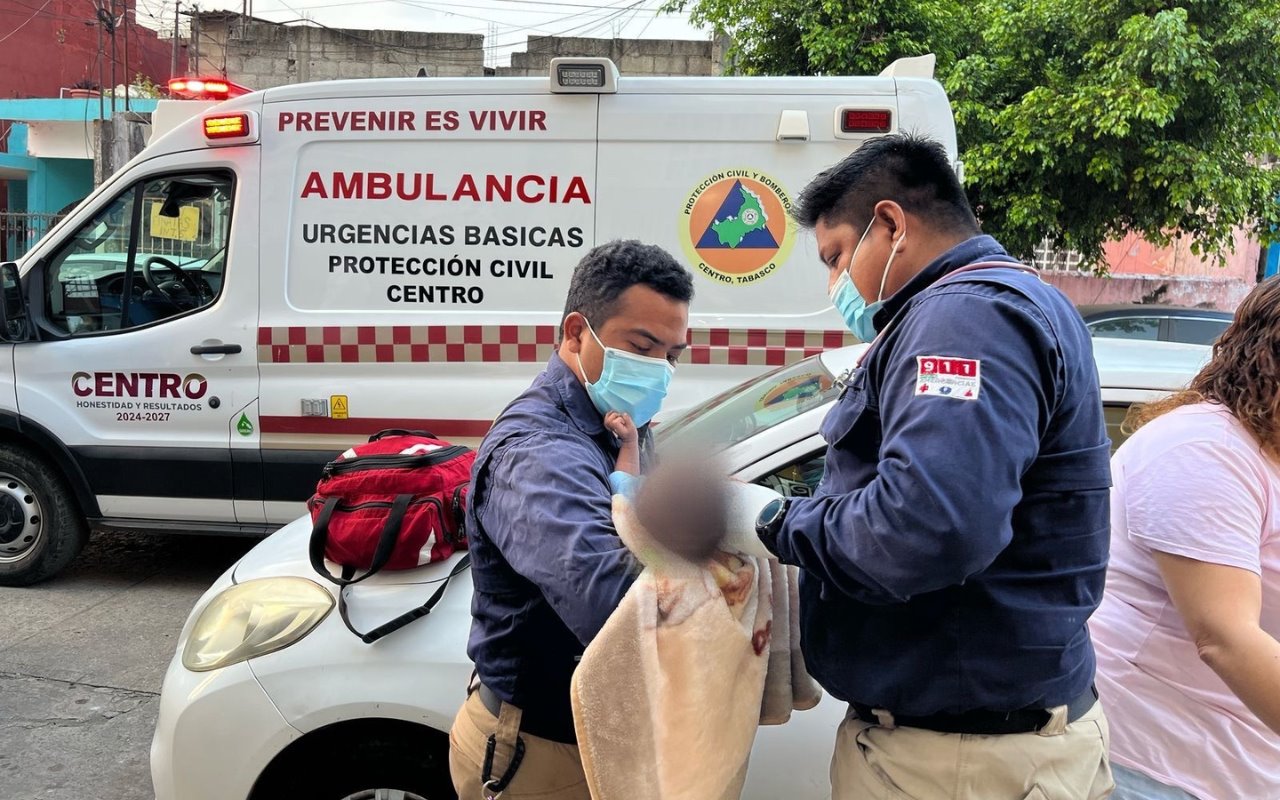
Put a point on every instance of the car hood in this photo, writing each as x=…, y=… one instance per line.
x=1149, y=368
x=286, y=553
x=1158, y=366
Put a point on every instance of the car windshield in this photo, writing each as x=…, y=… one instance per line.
x=754, y=406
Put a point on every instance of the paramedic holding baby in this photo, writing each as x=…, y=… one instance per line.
x=957, y=544
x=547, y=566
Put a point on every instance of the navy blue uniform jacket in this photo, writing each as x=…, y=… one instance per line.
x=547, y=565
x=957, y=545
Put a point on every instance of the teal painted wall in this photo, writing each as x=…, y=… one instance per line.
x=57, y=183
x=44, y=109
x=52, y=183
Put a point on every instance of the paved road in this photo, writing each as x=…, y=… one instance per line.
x=82, y=658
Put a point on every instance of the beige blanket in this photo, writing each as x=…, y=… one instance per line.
x=668, y=697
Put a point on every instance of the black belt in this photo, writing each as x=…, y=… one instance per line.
x=981, y=722
x=529, y=723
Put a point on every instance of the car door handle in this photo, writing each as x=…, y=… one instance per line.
x=214, y=349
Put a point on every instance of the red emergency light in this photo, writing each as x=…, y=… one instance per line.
x=861, y=120
x=206, y=88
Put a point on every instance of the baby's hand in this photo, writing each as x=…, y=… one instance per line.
x=620, y=425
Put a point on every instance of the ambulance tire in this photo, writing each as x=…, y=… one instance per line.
x=41, y=527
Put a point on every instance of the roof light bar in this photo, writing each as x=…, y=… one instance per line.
x=206, y=88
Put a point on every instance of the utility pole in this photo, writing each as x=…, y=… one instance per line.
x=195, y=40
x=128, y=78
x=173, y=57
x=111, y=29
x=102, y=111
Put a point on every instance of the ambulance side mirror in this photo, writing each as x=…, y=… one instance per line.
x=13, y=305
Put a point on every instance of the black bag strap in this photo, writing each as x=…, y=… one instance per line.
x=402, y=432
x=404, y=619
x=381, y=555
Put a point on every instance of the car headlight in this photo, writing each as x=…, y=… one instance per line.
x=254, y=618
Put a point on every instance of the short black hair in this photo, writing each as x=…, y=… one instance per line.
x=911, y=170
x=610, y=269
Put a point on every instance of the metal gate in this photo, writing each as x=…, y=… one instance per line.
x=19, y=232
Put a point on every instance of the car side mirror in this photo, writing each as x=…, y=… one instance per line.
x=14, y=325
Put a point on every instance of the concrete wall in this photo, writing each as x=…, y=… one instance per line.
x=1142, y=272
x=633, y=56
x=119, y=139
x=60, y=140
x=260, y=54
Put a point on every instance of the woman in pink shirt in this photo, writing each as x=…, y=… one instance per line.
x=1188, y=657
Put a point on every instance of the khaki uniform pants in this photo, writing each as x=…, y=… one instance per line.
x=549, y=771
x=1063, y=762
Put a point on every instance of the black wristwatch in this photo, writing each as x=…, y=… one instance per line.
x=769, y=522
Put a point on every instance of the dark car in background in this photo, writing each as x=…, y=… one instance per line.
x=1155, y=323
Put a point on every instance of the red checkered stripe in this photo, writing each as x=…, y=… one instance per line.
x=516, y=343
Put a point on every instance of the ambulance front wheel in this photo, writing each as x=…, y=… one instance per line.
x=41, y=528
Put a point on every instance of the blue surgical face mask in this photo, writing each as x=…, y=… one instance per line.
x=629, y=384
x=858, y=314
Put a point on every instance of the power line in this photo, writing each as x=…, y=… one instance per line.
x=542, y=27
x=53, y=14
x=589, y=9
x=408, y=49
x=575, y=5
x=593, y=24
x=646, y=27
x=621, y=27
x=547, y=27
x=539, y=5
x=27, y=21
x=449, y=12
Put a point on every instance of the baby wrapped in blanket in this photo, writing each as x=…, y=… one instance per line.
x=703, y=648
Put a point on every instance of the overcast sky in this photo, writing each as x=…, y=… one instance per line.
x=505, y=24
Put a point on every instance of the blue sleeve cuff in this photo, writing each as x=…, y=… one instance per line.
x=624, y=484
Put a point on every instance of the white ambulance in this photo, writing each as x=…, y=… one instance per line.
x=292, y=270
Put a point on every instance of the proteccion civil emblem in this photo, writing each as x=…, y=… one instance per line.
x=735, y=226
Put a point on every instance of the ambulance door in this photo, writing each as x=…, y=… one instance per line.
x=712, y=178
x=424, y=262
x=147, y=316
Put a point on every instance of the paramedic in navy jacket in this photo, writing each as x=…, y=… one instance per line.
x=547, y=565
x=958, y=541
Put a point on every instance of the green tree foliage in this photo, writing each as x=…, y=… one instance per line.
x=1078, y=120
x=832, y=37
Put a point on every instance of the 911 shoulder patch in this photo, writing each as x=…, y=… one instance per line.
x=946, y=376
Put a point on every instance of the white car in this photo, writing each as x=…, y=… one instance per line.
x=270, y=696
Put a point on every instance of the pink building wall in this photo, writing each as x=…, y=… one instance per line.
x=1142, y=272
x=55, y=45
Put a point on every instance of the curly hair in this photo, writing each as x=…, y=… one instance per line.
x=1243, y=375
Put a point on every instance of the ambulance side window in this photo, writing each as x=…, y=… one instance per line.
x=154, y=252
x=800, y=479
